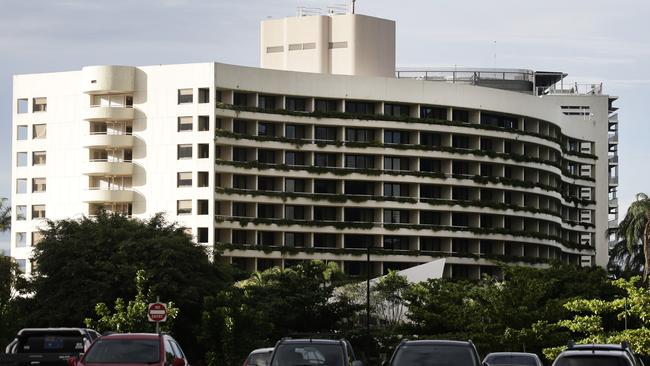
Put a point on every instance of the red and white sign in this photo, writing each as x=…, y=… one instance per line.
x=157, y=312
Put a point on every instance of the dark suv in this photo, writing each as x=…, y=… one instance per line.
x=313, y=352
x=137, y=349
x=435, y=353
x=598, y=355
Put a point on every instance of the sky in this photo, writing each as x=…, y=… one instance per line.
x=591, y=40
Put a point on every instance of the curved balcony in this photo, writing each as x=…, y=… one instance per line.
x=108, y=79
x=107, y=195
x=109, y=168
x=107, y=140
x=113, y=113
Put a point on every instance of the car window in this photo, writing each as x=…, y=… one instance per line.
x=177, y=349
x=124, y=351
x=51, y=344
x=434, y=355
x=308, y=355
x=512, y=360
x=592, y=360
x=259, y=359
x=170, y=354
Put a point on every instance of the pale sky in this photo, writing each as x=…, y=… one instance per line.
x=591, y=40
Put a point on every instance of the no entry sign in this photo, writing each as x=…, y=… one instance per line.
x=157, y=312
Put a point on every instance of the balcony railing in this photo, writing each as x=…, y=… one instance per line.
x=612, y=224
x=613, y=202
x=613, y=181
x=613, y=139
x=613, y=159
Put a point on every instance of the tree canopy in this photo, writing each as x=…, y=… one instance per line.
x=635, y=228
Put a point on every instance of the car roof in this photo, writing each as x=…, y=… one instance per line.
x=598, y=352
x=511, y=354
x=311, y=340
x=262, y=350
x=436, y=343
x=597, y=346
x=132, y=336
x=60, y=329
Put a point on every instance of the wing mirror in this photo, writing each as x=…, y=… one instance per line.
x=72, y=361
x=177, y=362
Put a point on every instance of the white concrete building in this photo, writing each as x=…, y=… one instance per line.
x=325, y=157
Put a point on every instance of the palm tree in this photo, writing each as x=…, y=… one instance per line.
x=5, y=215
x=622, y=261
x=635, y=228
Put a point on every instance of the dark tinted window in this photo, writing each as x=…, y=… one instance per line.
x=435, y=355
x=589, y=360
x=308, y=354
x=509, y=359
x=51, y=344
x=124, y=351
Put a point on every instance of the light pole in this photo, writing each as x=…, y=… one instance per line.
x=367, y=290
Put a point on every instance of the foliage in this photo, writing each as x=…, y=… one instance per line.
x=11, y=279
x=635, y=228
x=5, y=215
x=131, y=317
x=390, y=291
x=97, y=259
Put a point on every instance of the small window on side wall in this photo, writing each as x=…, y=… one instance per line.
x=204, y=123
x=21, y=132
x=22, y=106
x=204, y=95
x=40, y=105
x=185, y=96
x=39, y=131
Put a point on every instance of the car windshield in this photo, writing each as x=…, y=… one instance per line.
x=51, y=344
x=434, y=355
x=259, y=359
x=511, y=360
x=124, y=351
x=308, y=355
x=592, y=360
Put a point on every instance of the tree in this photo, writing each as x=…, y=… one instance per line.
x=11, y=281
x=131, y=317
x=390, y=291
x=623, y=262
x=5, y=215
x=97, y=259
x=635, y=228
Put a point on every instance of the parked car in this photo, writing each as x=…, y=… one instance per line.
x=598, y=355
x=133, y=349
x=313, y=352
x=259, y=357
x=512, y=359
x=47, y=346
x=435, y=353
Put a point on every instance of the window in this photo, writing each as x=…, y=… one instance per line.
x=266, y=211
x=433, y=113
x=294, y=185
x=325, y=159
x=38, y=158
x=325, y=133
x=240, y=99
x=396, y=163
x=266, y=183
x=185, y=151
x=359, y=161
x=430, y=139
x=294, y=131
x=22, y=105
x=294, y=239
x=429, y=217
x=460, y=168
x=294, y=158
x=38, y=131
x=430, y=191
x=324, y=240
x=184, y=124
x=36, y=238
x=266, y=129
x=327, y=186
x=21, y=240
x=203, y=179
x=21, y=132
x=358, y=107
x=333, y=45
x=184, y=179
x=430, y=165
x=240, y=126
x=185, y=96
x=239, y=181
x=21, y=212
x=201, y=207
x=21, y=185
x=294, y=212
x=460, y=142
x=459, y=219
x=396, y=216
x=396, y=110
x=184, y=207
x=460, y=115
x=296, y=104
x=460, y=193
x=430, y=244
x=498, y=120
x=266, y=156
x=359, y=214
x=202, y=235
x=239, y=154
x=325, y=105
x=204, y=95
x=396, y=242
x=324, y=213
x=38, y=212
x=274, y=49
x=21, y=159
x=486, y=170
x=239, y=209
x=266, y=102
x=204, y=151
x=204, y=123
x=396, y=137
x=266, y=238
x=396, y=190
x=40, y=105
x=359, y=187
x=359, y=135
x=38, y=185
x=487, y=144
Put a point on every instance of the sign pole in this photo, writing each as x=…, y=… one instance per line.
x=158, y=323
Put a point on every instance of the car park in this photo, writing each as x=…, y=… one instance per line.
x=512, y=359
x=259, y=357
x=435, y=353
x=313, y=352
x=598, y=355
x=133, y=349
